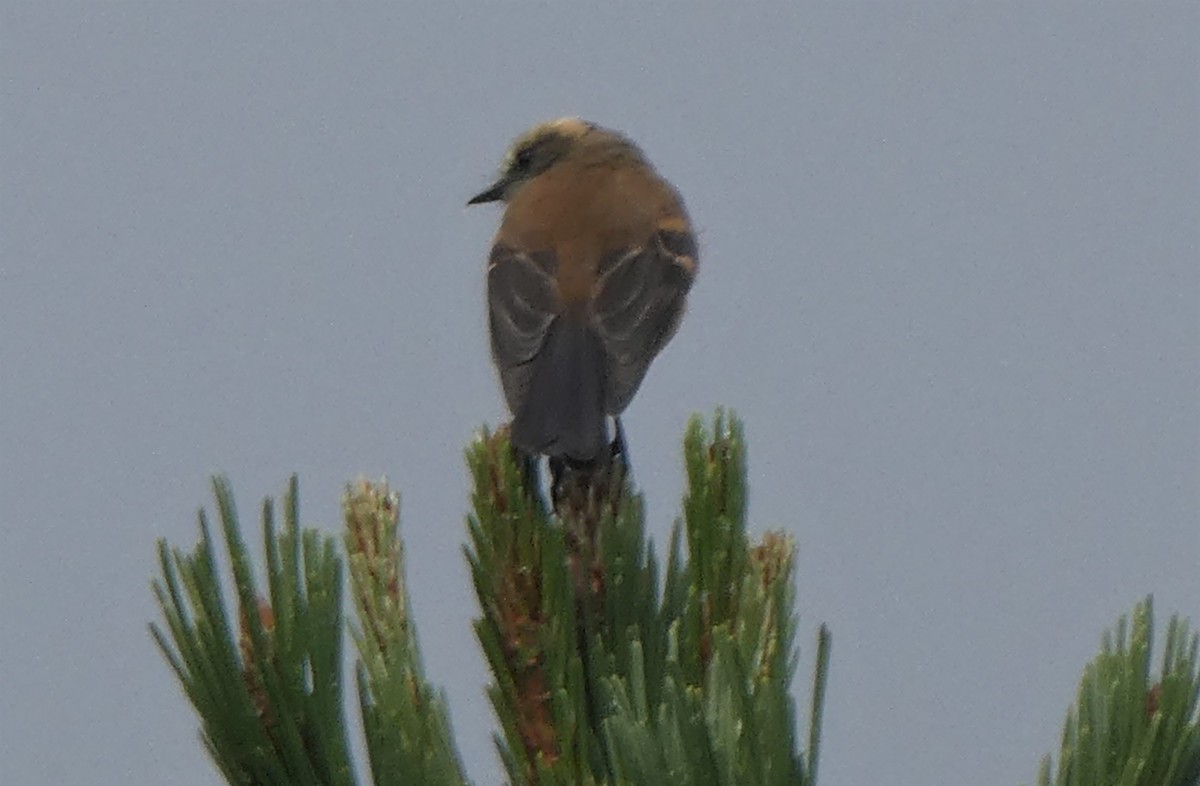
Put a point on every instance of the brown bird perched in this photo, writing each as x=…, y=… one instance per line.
x=587, y=280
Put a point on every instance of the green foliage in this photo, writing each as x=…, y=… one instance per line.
x=270, y=699
x=603, y=675
x=1127, y=728
x=406, y=721
x=608, y=668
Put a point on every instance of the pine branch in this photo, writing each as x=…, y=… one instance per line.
x=604, y=676
x=270, y=699
x=607, y=669
x=405, y=719
x=1127, y=728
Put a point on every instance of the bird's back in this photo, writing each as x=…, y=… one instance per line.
x=581, y=213
x=585, y=287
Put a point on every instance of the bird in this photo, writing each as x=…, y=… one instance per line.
x=587, y=280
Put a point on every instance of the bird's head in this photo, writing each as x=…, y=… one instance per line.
x=543, y=146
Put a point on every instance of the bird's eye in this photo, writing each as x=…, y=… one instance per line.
x=524, y=159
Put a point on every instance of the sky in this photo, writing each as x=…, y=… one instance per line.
x=949, y=280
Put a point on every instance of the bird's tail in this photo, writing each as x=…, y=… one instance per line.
x=563, y=411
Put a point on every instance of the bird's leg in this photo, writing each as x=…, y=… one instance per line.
x=618, y=467
x=617, y=449
x=531, y=477
x=559, y=473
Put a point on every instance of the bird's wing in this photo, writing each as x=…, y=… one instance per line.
x=522, y=302
x=638, y=302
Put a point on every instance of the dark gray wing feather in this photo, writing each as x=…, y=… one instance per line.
x=521, y=305
x=640, y=299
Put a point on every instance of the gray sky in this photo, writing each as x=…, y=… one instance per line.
x=949, y=278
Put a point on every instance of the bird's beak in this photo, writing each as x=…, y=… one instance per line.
x=494, y=194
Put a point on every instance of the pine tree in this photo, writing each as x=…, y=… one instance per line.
x=608, y=667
